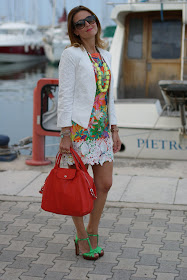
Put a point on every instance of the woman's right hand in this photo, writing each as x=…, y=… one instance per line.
x=65, y=144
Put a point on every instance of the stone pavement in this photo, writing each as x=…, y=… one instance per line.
x=139, y=244
x=143, y=229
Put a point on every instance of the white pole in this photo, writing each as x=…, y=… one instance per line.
x=54, y=13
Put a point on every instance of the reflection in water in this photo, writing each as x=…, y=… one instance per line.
x=17, y=82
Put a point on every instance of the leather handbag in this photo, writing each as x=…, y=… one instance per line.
x=69, y=191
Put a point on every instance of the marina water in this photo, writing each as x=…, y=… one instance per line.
x=17, y=82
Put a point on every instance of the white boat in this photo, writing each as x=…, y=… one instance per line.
x=20, y=42
x=56, y=39
x=149, y=46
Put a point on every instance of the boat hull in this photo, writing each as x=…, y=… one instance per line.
x=20, y=53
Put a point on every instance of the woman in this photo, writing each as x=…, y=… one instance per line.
x=87, y=117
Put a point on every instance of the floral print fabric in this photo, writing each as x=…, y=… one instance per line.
x=94, y=144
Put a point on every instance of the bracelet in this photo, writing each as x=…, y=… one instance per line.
x=114, y=129
x=65, y=133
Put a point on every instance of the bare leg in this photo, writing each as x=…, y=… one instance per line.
x=103, y=182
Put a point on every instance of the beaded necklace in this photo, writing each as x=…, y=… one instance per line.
x=97, y=69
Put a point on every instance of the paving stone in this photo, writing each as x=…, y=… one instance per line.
x=176, y=236
x=13, y=230
x=160, y=214
x=124, y=221
x=37, y=270
x=53, y=248
x=27, y=215
x=152, y=249
x=121, y=228
x=8, y=217
x=177, y=213
x=6, y=239
x=106, y=223
x=183, y=262
x=157, y=230
x=171, y=245
x=61, y=266
x=99, y=277
x=184, y=243
x=101, y=268
x=60, y=238
x=116, y=210
x=4, y=224
x=30, y=252
x=21, y=263
x=20, y=222
x=128, y=213
x=33, y=228
x=184, y=251
x=148, y=259
x=110, y=216
x=3, y=265
x=54, y=275
x=117, y=237
x=144, y=211
x=12, y=274
x=153, y=239
x=159, y=222
x=70, y=245
x=56, y=220
x=130, y=253
x=8, y=256
x=78, y=273
x=145, y=271
x=34, y=207
x=68, y=255
x=167, y=266
x=81, y=262
x=165, y=276
x=40, y=220
x=30, y=278
x=140, y=225
x=143, y=218
x=113, y=247
x=104, y=232
x=109, y=257
x=182, y=274
x=6, y=205
x=127, y=264
x=122, y=275
x=168, y=255
x=26, y=236
x=133, y=243
x=137, y=233
x=66, y=229
x=176, y=220
x=141, y=278
x=39, y=242
x=46, y=259
x=16, y=245
x=175, y=228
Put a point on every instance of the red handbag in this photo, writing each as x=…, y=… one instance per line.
x=69, y=191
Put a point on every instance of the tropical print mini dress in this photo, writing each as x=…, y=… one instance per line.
x=94, y=144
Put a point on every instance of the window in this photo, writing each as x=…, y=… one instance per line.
x=166, y=39
x=135, y=38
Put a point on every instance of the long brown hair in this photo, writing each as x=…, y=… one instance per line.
x=76, y=40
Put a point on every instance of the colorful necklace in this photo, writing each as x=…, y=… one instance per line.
x=99, y=73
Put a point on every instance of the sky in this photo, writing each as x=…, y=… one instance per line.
x=40, y=12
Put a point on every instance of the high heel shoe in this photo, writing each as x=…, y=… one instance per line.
x=98, y=250
x=91, y=255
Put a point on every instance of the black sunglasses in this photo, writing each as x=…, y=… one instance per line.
x=81, y=23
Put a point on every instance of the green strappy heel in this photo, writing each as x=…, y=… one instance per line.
x=98, y=250
x=91, y=255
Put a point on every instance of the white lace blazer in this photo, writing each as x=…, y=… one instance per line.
x=77, y=88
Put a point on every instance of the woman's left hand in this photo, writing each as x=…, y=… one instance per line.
x=116, y=142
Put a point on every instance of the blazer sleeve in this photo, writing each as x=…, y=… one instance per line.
x=66, y=89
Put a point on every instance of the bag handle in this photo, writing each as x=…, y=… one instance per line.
x=78, y=161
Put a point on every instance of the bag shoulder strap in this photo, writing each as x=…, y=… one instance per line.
x=78, y=160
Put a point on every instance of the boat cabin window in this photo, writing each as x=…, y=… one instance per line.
x=166, y=39
x=135, y=38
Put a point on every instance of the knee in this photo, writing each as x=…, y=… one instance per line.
x=105, y=186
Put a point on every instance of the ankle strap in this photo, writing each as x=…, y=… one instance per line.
x=89, y=234
x=81, y=239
